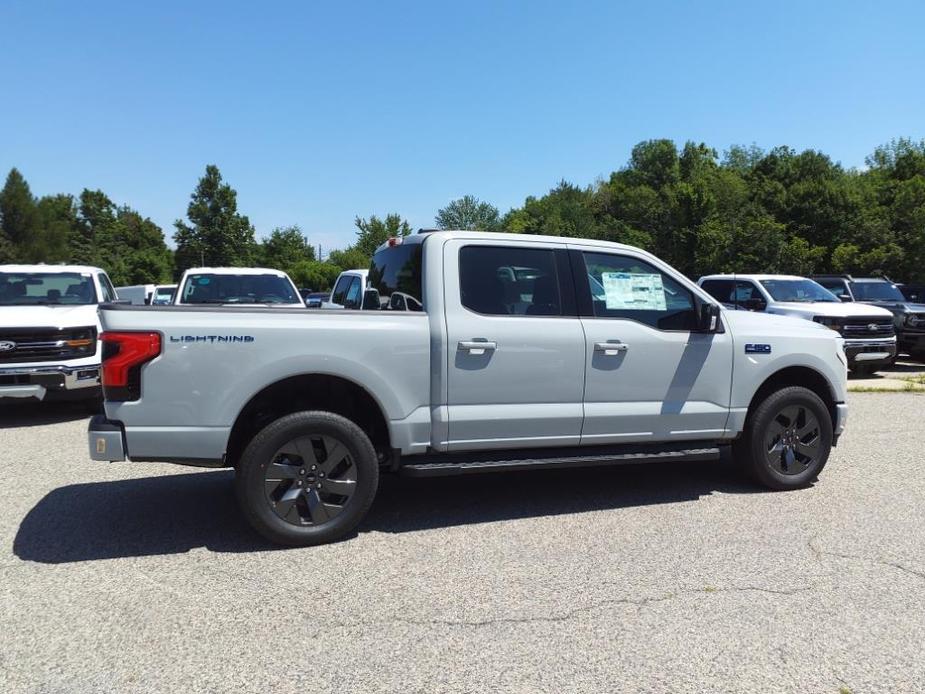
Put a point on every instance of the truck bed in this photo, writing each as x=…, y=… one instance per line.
x=215, y=359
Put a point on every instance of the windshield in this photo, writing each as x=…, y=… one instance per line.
x=801, y=291
x=208, y=288
x=876, y=291
x=46, y=289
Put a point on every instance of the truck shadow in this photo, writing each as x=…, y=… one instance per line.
x=30, y=413
x=173, y=514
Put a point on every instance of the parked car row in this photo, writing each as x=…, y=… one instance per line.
x=870, y=330
x=147, y=294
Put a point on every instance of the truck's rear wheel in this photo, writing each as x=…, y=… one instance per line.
x=787, y=439
x=307, y=478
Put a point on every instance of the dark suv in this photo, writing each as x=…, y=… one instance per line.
x=908, y=316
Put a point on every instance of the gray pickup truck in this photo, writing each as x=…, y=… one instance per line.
x=474, y=352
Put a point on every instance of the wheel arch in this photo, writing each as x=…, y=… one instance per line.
x=309, y=391
x=803, y=376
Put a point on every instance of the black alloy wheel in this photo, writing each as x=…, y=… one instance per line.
x=787, y=439
x=310, y=480
x=307, y=478
x=792, y=440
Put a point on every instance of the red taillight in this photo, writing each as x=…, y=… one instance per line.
x=124, y=353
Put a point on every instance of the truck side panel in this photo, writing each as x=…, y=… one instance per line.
x=213, y=361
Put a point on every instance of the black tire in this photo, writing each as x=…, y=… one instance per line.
x=774, y=427
x=296, y=450
x=918, y=356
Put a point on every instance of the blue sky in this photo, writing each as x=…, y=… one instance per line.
x=317, y=112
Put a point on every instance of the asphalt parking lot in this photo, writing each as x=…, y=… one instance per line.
x=667, y=578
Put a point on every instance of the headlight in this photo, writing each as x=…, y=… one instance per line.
x=840, y=352
x=915, y=320
x=829, y=322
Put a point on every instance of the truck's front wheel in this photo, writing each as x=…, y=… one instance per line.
x=787, y=439
x=307, y=478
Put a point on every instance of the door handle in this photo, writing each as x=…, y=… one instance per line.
x=610, y=348
x=477, y=347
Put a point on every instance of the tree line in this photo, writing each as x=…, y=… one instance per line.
x=748, y=211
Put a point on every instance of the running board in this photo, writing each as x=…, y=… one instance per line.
x=501, y=461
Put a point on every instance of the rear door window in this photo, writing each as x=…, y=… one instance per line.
x=509, y=281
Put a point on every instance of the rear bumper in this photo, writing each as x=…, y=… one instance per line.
x=38, y=381
x=106, y=439
x=112, y=440
x=870, y=352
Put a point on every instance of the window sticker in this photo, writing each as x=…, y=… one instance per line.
x=634, y=292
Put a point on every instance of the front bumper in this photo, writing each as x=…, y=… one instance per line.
x=37, y=381
x=870, y=352
x=912, y=341
x=841, y=417
x=106, y=439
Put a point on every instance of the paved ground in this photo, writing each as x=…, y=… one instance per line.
x=669, y=578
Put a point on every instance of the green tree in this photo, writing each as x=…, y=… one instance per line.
x=57, y=215
x=129, y=247
x=19, y=218
x=470, y=214
x=351, y=258
x=566, y=210
x=314, y=274
x=284, y=248
x=217, y=234
x=373, y=232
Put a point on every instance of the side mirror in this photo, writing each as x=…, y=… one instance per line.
x=708, y=317
x=371, y=300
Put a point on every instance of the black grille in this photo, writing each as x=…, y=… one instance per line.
x=868, y=327
x=22, y=345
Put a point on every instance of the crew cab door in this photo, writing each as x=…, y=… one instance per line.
x=650, y=376
x=515, y=346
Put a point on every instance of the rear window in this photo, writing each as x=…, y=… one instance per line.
x=396, y=274
x=208, y=288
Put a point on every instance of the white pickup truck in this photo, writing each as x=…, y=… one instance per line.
x=48, y=331
x=519, y=352
x=870, y=336
x=241, y=286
